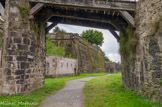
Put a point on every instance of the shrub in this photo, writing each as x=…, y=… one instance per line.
x=51, y=49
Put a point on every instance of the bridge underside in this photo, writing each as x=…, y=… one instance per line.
x=110, y=15
x=109, y=18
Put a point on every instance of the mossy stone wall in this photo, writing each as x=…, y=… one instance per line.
x=23, y=55
x=143, y=73
x=90, y=57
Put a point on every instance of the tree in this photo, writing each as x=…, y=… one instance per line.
x=93, y=36
x=58, y=30
x=106, y=59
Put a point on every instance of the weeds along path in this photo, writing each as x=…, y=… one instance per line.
x=70, y=96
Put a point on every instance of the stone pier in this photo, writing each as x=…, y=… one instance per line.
x=144, y=73
x=23, y=54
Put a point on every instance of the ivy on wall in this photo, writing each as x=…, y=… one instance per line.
x=24, y=9
x=128, y=42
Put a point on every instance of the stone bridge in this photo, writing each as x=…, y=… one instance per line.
x=25, y=27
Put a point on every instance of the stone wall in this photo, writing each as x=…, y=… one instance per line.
x=144, y=73
x=90, y=57
x=23, y=54
x=112, y=67
x=57, y=66
x=1, y=34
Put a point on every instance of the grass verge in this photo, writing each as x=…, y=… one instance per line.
x=109, y=92
x=35, y=98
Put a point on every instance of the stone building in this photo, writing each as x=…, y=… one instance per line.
x=90, y=57
x=57, y=66
x=112, y=67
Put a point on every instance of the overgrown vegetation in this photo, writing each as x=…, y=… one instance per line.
x=51, y=86
x=58, y=30
x=24, y=9
x=106, y=59
x=109, y=92
x=52, y=49
x=0, y=42
x=128, y=42
x=93, y=37
x=155, y=26
x=1, y=21
x=160, y=82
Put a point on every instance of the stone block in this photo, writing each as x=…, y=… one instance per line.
x=24, y=65
x=19, y=72
x=9, y=58
x=156, y=74
x=21, y=58
x=26, y=41
x=14, y=34
x=20, y=81
x=7, y=71
x=28, y=71
x=33, y=49
x=22, y=47
x=17, y=40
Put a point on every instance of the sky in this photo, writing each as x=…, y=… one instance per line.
x=110, y=46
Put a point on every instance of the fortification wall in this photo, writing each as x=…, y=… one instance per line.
x=112, y=67
x=90, y=57
x=144, y=74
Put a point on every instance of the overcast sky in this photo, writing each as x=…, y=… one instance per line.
x=110, y=45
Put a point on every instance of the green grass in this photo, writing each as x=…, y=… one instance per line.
x=51, y=86
x=109, y=92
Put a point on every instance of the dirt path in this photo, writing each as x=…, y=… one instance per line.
x=70, y=96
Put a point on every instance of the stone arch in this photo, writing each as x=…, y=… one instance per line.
x=23, y=61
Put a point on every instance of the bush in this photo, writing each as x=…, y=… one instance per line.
x=51, y=49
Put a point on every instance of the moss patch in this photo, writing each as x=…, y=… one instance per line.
x=24, y=11
x=128, y=42
x=155, y=26
x=160, y=82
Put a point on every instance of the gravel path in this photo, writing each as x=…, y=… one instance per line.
x=70, y=96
